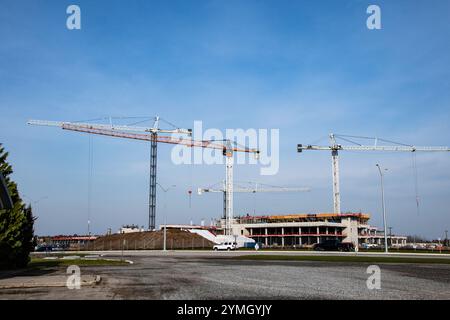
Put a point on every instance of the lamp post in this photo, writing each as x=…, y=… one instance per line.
x=384, y=208
x=446, y=238
x=165, y=213
x=390, y=236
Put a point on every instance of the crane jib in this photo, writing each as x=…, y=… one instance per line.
x=159, y=138
x=301, y=147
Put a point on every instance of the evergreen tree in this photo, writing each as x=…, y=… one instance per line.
x=16, y=224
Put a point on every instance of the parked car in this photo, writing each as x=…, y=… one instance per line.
x=58, y=248
x=225, y=246
x=43, y=248
x=369, y=246
x=334, y=245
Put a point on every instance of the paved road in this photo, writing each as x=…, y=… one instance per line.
x=220, y=254
x=197, y=275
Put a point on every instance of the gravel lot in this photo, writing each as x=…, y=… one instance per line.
x=191, y=276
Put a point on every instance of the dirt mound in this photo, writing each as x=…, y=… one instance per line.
x=150, y=240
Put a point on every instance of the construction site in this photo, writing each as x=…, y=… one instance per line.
x=265, y=231
x=240, y=151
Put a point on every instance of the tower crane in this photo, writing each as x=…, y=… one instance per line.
x=251, y=187
x=334, y=147
x=152, y=134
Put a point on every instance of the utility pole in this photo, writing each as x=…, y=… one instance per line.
x=446, y=238
x=165, y=233
x=384, y=209
x=390, y=235
x=165, y=213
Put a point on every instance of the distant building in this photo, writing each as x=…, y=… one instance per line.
x=66, y=241
x=372, y=235
x=185, y=227
x=130, y=228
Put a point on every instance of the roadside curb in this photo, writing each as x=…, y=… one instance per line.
x=87, y=281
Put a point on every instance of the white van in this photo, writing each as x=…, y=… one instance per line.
x=225, y=246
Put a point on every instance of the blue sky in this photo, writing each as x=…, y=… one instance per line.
x=307, y=68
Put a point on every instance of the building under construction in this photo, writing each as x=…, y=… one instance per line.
x=307, y=229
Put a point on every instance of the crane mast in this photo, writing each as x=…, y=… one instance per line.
x=229, y=190
x=334, y=147
x=335, y=171
x=152, y=175
x=152, y=182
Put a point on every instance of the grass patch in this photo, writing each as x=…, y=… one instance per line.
x=392, y=250
x=342, y=259
x=44, y=263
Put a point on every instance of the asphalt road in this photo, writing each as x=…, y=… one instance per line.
x=210, y=253
x=209, y=275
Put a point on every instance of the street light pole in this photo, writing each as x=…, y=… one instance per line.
x=165, y=230
x=446, y=238
x=165, y=213
x=390, y=236
x=384, y=209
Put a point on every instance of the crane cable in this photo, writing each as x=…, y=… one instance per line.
x=190, y=182
x=413, y=156
x=90, y=173
x=416, y=181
